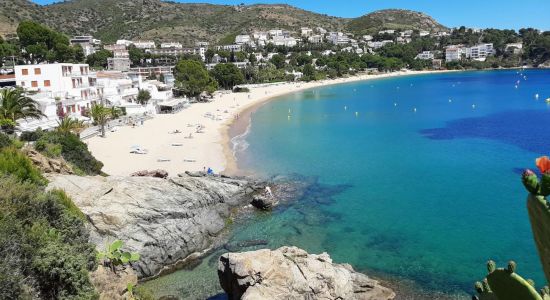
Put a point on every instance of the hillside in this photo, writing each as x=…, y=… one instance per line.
x=393, y=19
x=159, y=20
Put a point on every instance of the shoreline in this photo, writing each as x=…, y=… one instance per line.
x=226, y=116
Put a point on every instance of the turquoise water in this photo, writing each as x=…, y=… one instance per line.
x=426, y=196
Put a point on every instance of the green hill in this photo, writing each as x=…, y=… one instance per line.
x=158, y=20
x=398, y=19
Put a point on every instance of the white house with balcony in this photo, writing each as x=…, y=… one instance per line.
x=242, y=39
x=425, y=55
x=67, y=89
x=144, y=44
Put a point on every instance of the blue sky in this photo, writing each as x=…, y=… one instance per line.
x=473, y=13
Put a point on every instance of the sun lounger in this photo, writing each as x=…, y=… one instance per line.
x=163, y=160
x=177, y=144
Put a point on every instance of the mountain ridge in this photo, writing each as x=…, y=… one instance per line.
x=185, y=22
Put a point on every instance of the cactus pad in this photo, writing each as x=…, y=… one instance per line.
x=539, y=215
x=505, y=284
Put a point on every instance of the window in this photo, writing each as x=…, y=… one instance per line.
x=25, y=71
x=47, y=83
x=37, y=71
x=34, y=83
x=22, y=83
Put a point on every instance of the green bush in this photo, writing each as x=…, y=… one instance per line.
x=5, y=141
x=15, y=163
x=73, y=150
x=44, y=245
x=31, y=136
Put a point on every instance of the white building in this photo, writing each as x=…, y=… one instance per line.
x=379, y=44
x=315, y=39
x=144, y=44
x=126, y=43
x=70, y=88
x=516, y=48
x=233, y=48
x=306, y=32
x=425, y=55
x=120, y=60
x=275, y=32
x=481, y=52
x=454, y=53
x=175, y=45
x=260, y=36
x=367, y=38
x=87, y=42
x=406, y=33
x=424, y=33
x=389, y=31
x=284, y=41
x=338, y=38
x=242, y=39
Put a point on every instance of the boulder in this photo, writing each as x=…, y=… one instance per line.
x=164, y=220
x=155, y=173
x=113, y=286
x=48, y=165
x=292, y=273
x=263, y=202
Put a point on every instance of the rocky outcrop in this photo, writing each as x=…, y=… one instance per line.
x=164, y=220
x=111, y=285
x=155, y=173
x=48, y=165
x=292, y=273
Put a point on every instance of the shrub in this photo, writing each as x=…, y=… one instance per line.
x=15, y=163
x=73, y=150
x=5, y=141
x=44, y=246
x=31, y=136
x=238, y=89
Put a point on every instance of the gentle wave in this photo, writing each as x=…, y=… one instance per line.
x=239, y=142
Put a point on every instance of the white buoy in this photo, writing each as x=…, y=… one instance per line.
x=516, y=86
x=357, y=114
x=473, y=106
x=450, y=100
x=394, y=104
x=414, y=109
x=536, y=96
x=345, y=108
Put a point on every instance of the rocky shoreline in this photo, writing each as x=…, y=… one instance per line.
x=174, y=222
x=165, y=220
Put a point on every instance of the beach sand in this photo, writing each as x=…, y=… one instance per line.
x=210, y=149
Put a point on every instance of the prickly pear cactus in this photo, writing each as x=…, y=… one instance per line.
x=539, y=215
x=505, y=284
x=484, y=291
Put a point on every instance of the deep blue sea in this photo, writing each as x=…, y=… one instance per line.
x=415, y=180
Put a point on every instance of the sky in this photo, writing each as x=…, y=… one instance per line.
x=503, y=14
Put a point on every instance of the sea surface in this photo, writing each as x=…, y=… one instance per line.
x=414, y=180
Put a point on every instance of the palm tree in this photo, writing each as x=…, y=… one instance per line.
x=100, y=114
x=14, y=105
x=68, y=124
x=115, y=112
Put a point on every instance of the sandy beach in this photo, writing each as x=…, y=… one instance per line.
x=209, y=148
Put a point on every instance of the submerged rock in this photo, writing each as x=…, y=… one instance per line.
x=164, y=220
x=292, y=273
x=263, y=202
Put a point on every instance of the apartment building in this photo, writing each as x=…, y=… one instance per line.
x=170, y=45
x=63, y=88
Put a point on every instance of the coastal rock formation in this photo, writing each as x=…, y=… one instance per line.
x=113, y=286
x=154, y=173
x=164, y=220
x=292, y=273
x=48, y=165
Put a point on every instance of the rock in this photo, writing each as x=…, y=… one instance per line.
x=155, y=173
x=165, y=221
x=193, y=174
x=48, y=165
x=113, y=286
x=262, y=202
x=292, y=273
